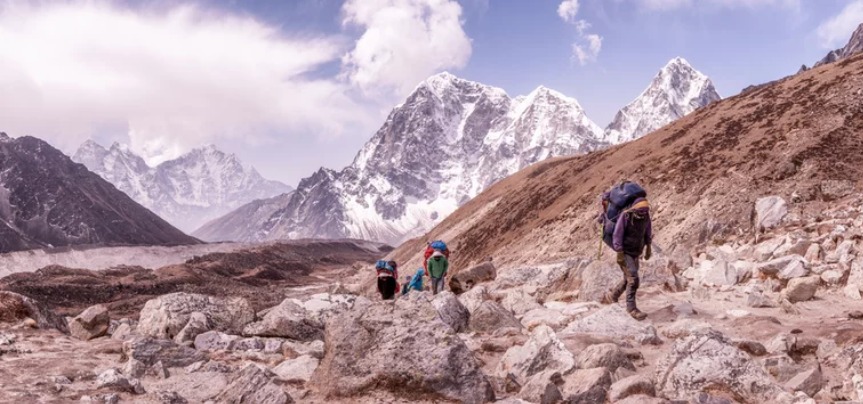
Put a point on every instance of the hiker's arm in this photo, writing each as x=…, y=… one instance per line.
x=619, y=228
x=445, y=267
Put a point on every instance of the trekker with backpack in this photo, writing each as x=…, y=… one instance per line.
x=388, y=275
x=627, y=229
x=416, y=282
x=437, y=264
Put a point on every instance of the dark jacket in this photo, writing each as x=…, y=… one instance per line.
x=633, y=230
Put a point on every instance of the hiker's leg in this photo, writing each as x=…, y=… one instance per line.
x=441, y=285
x=389, y=288
x=621, y=286
x=632, y=281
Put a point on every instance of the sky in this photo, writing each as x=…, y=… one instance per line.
x=293, y=85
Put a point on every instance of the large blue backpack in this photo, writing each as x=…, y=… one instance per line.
x=620, y=197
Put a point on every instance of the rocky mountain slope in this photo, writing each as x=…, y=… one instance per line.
x=187, y=191
x=677, y=90
x=796, y=138
x=854, y=46
x=47, y=200
x=448, y=141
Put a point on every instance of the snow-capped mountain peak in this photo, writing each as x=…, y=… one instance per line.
x=675, y=91
x=188, y=191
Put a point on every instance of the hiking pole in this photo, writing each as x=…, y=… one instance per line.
x=599, y=255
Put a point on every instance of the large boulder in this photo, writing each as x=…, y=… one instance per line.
x=586, y=386
x=718, y=273
x=323, y=305
x=597, y=279
x=545, y=316
x=809, y=382
x=631, y=386
x=518, y=301
x=298, y=369
x=466, y=280
x=779, y=265
x=398, y=347
x=148, y=351
x=451, y=311
x=474, y=297
x=607, y=355
x=709, y=362
x=491, y=316
x=92, y=323
x=543, y=352
x=198, y=324
x=541, y=278
x=253, y=385
x=287, y=320
x=769, y=212
x=165, y=316
x=801, y=289
x=615, y=323
x=15, y=308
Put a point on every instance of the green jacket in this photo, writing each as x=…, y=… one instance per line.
x=437, y=268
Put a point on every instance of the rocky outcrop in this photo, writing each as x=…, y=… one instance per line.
x=451, y=311
x=614, y=322
x=710, y=362
x=167, y=315
x=466, y=280
x=148, y=351
x=491, y=316
x=15, y=308
x=253, y=385
x=398, y=347
x=543, y=352
x=92, y=323
x=769, y=212
x=287, y=320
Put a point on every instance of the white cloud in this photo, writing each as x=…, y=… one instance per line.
x=587, y=52
x=586, y=48
x=567, y=10
x=665, y=5
x=173, y=78
x=403, y=42
x=835, y=32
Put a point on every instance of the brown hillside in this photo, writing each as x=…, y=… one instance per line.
x=794, y=138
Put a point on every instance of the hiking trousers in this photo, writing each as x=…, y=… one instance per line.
x=387, y=287
x=437, y=285
x=629, y=284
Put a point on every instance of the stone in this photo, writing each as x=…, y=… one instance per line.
x=543, y=316
x=685, y=328
x=801, y=289
x=293, y=349
x=518, y=302
x=844, y=252
x=451, y=311
x=158, y=370
x=711, y=361
x=540, y=278
x=543, y=352
x=165, y=316
x=769, y=212
x=401, y=346
x=122, y=332
x=794, y=269
x=170, y=397
x=753, y=348
x=718, y=273
x=323, y=305
x=474, y=297
x=248, y=344
x=297, y=369
x=757, y=298
x=630, y=386
x=775, y=266
x=253, y=385
x=605, y=355
x=114, y=380
x=598, y=278
x=643, y=399
x=586, y=386
x=491, y=316
x=743, y=270
x=852, y=292
x=468, y=279
x=764, y=250
x=723, y=252
x=198, y=324
x=287, y=320
x=831, y=278
x=15, y=308
x=215, y=341
x=542, y=388
x=813, y=253
x=572, y=309
x=614, y=322
x=91, y=323
x=809, y=382
x=149, y=350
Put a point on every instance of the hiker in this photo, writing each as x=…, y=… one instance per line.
x=431, y=247
x=437, y=267
x=628, y=230
x=416, y=282
x=406, y=287
x=388, y=276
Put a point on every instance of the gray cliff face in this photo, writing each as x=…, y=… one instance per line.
x=854, y=46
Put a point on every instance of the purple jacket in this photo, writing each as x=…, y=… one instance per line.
x=633, y=230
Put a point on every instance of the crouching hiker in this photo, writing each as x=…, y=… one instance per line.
x=388, y=276
x=416, y=283
x=627, y=228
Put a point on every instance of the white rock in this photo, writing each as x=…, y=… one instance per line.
x=166, y=315
x=718, y=273
x=541, y=353
x=614, y=322
x=831, y=277
x=852, y=292
x=764, y=250
x=769, y=211
x=298, y=369
x=92, y=323
x=518, y=301
x=287, y=320
x=451, y=311
x=813, y=253
x=544, y=316
x=794, y=269
x=801, y=289
x=474, y=297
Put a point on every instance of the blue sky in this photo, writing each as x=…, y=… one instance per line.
x=294, y=85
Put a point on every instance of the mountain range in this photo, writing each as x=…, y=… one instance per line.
x=47, y=200
x=188, y=191
x=451, y=139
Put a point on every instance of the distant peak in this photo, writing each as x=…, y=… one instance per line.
x=677, y=62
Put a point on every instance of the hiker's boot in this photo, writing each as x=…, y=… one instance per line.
x=637, y=314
